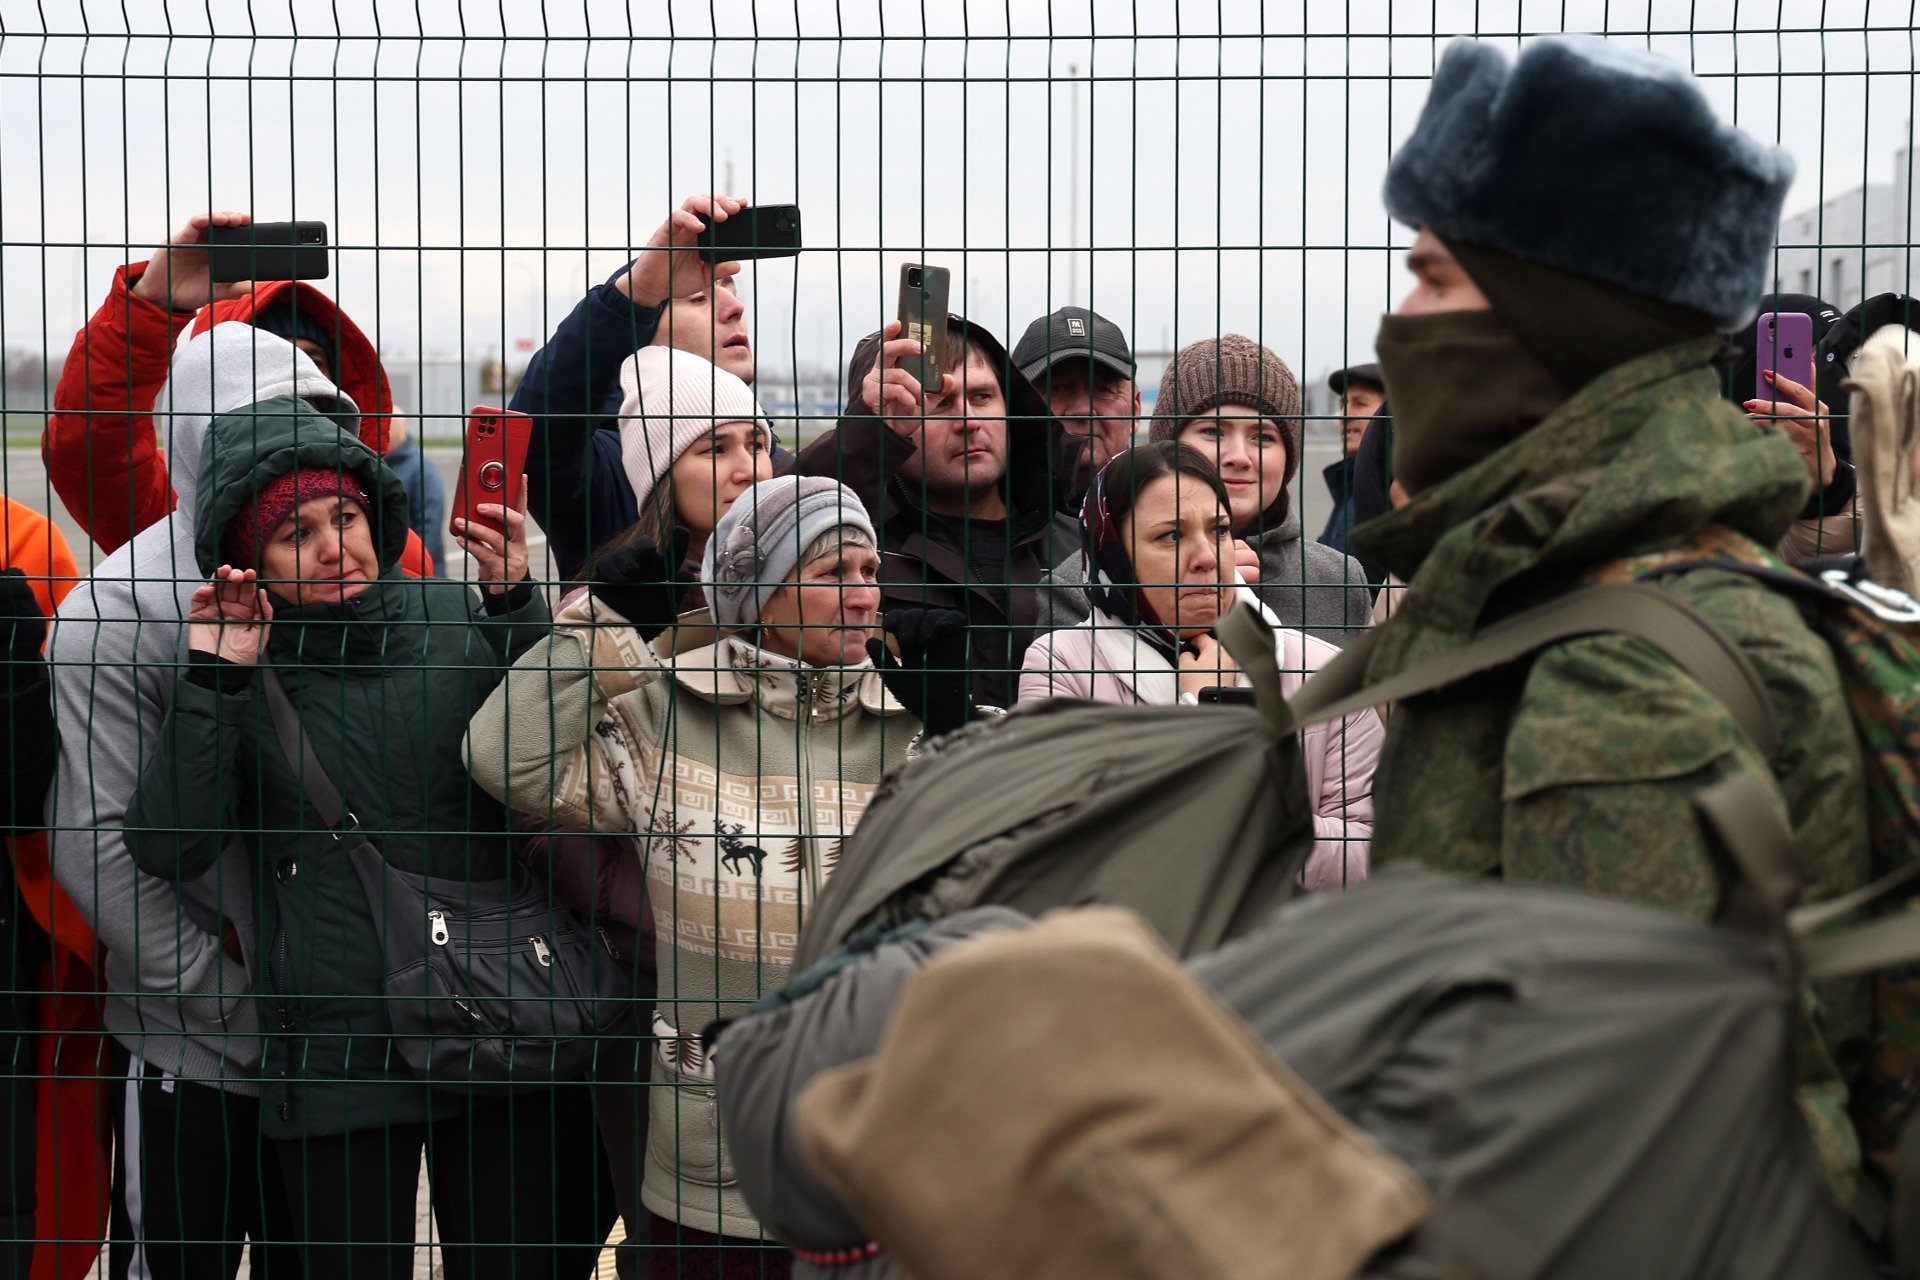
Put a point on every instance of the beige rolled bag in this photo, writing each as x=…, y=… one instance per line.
x=1885, y=383
x=1115, y=1121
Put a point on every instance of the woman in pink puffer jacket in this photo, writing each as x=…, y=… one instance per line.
x=1160, y=570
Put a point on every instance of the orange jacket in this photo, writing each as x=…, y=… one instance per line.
x=70, y=1110
x=34, y=546
x=101, y=450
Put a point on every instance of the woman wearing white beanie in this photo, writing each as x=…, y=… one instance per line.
x=692, y=439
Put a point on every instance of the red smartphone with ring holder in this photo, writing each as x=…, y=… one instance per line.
x=491, y=465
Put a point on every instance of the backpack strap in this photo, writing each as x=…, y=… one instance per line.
x=368, y=862
x=1888, y=941
x=1738, y=809
x=1249, y=640
x=1885, y=943
x=1839, y=585
x=1692, y=640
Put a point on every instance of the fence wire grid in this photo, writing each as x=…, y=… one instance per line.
x=234, y=1037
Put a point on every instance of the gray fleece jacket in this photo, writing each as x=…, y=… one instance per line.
x=175, y=997
x=1311, y=586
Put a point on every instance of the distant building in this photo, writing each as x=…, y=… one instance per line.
x=436, y=393
x=1854, y=245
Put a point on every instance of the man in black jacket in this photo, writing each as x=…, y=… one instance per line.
x=960, y=487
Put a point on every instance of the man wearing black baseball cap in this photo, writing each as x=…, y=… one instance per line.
x=1362, y=391
x=1082, y=364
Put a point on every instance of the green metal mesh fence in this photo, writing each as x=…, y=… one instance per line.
x=205, y=1073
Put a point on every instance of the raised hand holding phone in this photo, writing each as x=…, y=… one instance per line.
x=177, y=277
x=491, y=468
x=498, y=547
x=893, y=392
x=668, y=266
x=1794, y=409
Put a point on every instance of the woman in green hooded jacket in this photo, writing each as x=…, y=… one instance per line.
x=299, y=533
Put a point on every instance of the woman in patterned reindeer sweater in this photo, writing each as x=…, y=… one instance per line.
x=737, y=766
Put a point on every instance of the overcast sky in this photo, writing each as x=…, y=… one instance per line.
x=499, y=176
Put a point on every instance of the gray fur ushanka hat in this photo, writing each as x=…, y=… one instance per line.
x=1597, y=159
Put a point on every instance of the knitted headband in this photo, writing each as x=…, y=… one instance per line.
x=758, y=543
x=259, y=516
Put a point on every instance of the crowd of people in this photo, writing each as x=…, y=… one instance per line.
x=676, y=739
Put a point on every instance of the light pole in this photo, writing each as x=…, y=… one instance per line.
x=1073, y=185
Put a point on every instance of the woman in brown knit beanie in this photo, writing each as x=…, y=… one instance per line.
x=1238, y=403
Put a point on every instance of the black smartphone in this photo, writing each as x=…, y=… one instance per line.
x=267, y=251
x=757, y=231
x=923, y=317
x=1230, y=695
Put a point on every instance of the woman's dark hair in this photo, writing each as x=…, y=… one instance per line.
x=1142, y=464
x=655, y=524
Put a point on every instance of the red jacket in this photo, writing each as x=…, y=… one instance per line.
x=101, y=450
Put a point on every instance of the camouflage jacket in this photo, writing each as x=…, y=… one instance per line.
x=1580, y=767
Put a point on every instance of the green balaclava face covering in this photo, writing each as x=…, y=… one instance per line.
x=1462, y=387
x=1464, y=384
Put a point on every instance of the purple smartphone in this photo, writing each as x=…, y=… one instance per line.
x=1783, y=342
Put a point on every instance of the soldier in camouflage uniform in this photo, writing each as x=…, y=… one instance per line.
x=1557, y=412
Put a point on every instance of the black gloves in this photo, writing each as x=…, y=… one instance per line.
x=643, y=586
x=930, y=676
x=23, y=628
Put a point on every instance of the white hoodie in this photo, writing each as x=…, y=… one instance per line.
x=175, y=998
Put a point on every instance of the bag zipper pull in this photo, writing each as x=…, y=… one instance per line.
x=437, y=928
x=606, y=940
x=540, y=952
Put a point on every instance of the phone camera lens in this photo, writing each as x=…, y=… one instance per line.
x=914, y=278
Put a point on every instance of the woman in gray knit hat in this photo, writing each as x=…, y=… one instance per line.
x=1239, y=404
x=735, y=758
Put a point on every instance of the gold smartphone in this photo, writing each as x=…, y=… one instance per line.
x=923, y=317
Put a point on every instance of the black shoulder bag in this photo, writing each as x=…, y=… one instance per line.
x=490, y=985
